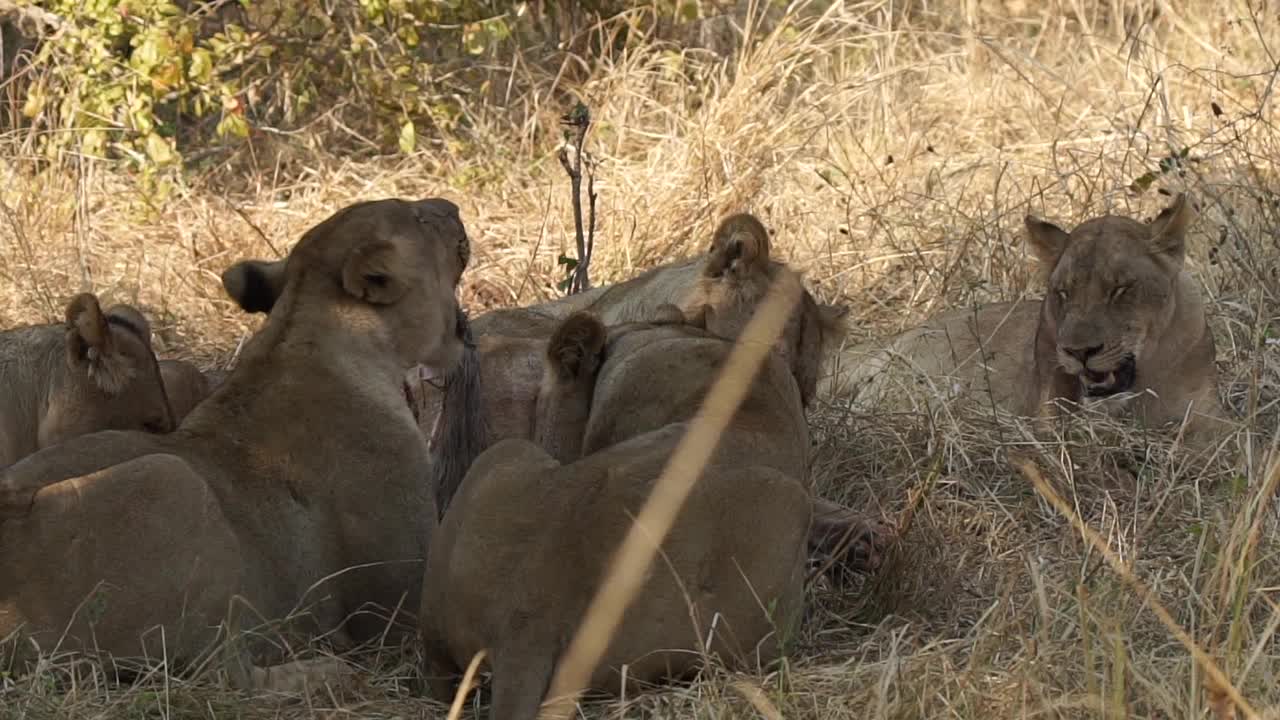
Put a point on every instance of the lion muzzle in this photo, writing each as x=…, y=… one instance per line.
x=1097, y=381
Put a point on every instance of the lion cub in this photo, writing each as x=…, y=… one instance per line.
x=96, y=371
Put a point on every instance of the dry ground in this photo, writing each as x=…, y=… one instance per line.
x=894, y=151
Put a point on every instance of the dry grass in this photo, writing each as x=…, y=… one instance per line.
x=894, y=149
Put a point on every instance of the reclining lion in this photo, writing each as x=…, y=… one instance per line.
x=299, y=485
x=528, y=537
x=94, y=372
x=1123, y=324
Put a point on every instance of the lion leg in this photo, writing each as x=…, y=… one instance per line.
x=141, y=545
x=849, y=539
x=520, y=681
x=438, y=673
x=20, y=482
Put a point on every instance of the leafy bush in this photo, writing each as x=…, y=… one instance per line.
x=149, y=81
x=158, y=84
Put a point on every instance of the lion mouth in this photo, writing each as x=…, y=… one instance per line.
x=1097, y=384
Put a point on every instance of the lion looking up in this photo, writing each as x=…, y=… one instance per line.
x=94, y=372
x=1123, y=325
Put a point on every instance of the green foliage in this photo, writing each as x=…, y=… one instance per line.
x=153, y=83
x=145, y=81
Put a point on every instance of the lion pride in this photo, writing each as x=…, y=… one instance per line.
x=299, y=483
x=719, y=290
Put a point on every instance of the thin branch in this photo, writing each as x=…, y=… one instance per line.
x=576, y=124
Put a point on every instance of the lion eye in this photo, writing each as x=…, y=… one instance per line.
x=1120, y=291
x=1062, y=295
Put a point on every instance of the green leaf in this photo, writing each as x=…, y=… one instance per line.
x=93, y=143
x=474, y=38
x=568, y=262
x=201, y=68
x=233, y=124
x=408, y=138
x=159, y=150
x=1142, y=183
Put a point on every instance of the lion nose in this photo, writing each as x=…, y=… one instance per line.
x=1082, y=353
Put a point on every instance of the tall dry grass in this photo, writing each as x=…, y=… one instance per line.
x=893, y=148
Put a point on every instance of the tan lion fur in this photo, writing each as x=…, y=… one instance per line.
x=95, y=371
x=1118, y=296
x=298, y=485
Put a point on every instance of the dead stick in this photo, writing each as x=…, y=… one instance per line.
x=580, y=119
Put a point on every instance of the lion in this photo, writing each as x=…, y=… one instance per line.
x=527, y=539
x=95, y=371
x=295, y=492
x=1122, y=326
x=721, y=288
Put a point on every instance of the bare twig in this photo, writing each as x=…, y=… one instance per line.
x=576, y=124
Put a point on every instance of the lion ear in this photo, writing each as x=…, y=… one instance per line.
x=374, y=271
x=1169, y=229
x=87, y=325
x=575, y=346
x=1046, y=240
x=255, y=285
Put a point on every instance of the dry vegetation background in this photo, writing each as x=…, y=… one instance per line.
x=893, y=148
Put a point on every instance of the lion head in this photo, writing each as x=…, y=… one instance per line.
x=111, y=379
x=383, y=251
x=1112, y=281
x=737, y=274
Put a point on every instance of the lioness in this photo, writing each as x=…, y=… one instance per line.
x=1123, y=323
x=527, y=539
x=96, y=371
x=298, y=485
